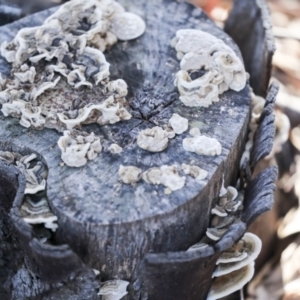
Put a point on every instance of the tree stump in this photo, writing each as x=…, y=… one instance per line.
x=112, y=227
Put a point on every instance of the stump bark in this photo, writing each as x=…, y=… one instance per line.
x=134, y=233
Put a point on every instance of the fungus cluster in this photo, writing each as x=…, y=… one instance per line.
x=60, y=76
x=235, y=266
x=208, y=68
x=35, y=208
x=165, y=175
x=78, y=146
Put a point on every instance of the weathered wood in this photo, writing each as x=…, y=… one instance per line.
x=111, y=226
x=253, y=35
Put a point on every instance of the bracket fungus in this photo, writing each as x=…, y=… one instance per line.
x=208, y=68
x=153, y=139
x=246, y=250
x=77, y=147
x=235, y=267
x=56, y=63
x=226, y=285
x=113, y=289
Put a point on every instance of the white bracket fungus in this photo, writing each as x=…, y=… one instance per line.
x=113, y=289
x=194, y=171
x=77, y=147
x=129, y=174
x=251, y=245
x=153, y=139
x=165, y=175
x=179, y=124
x=230, y=283
x=201, y=51
x=235, y=267
x=202, y=145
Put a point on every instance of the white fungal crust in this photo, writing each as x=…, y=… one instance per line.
x=113, y=289
x=78, y=147
x=194, y=171
x=129, y=174
x=179, y=124
x=127, y=26
x=198, y=51
x=230, y=283
x=202, y=145
x=153, y=139
x=165, y=175
x=115, y=149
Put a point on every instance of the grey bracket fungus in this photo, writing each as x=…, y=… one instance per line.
x=153, y=139
x=127, y=26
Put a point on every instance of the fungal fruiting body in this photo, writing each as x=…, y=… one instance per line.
x=115, y=149
x=202, y=145
x=77, y=147
x=179, y=124
x=167, y=176
x=72, y=85
x=129, y=174
x=208, y=68
x=235, y=267
x=35, y=208
x=153, y=139
x=194, y=171
x=113, y=289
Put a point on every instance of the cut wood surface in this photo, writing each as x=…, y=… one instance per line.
x=110, y=225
